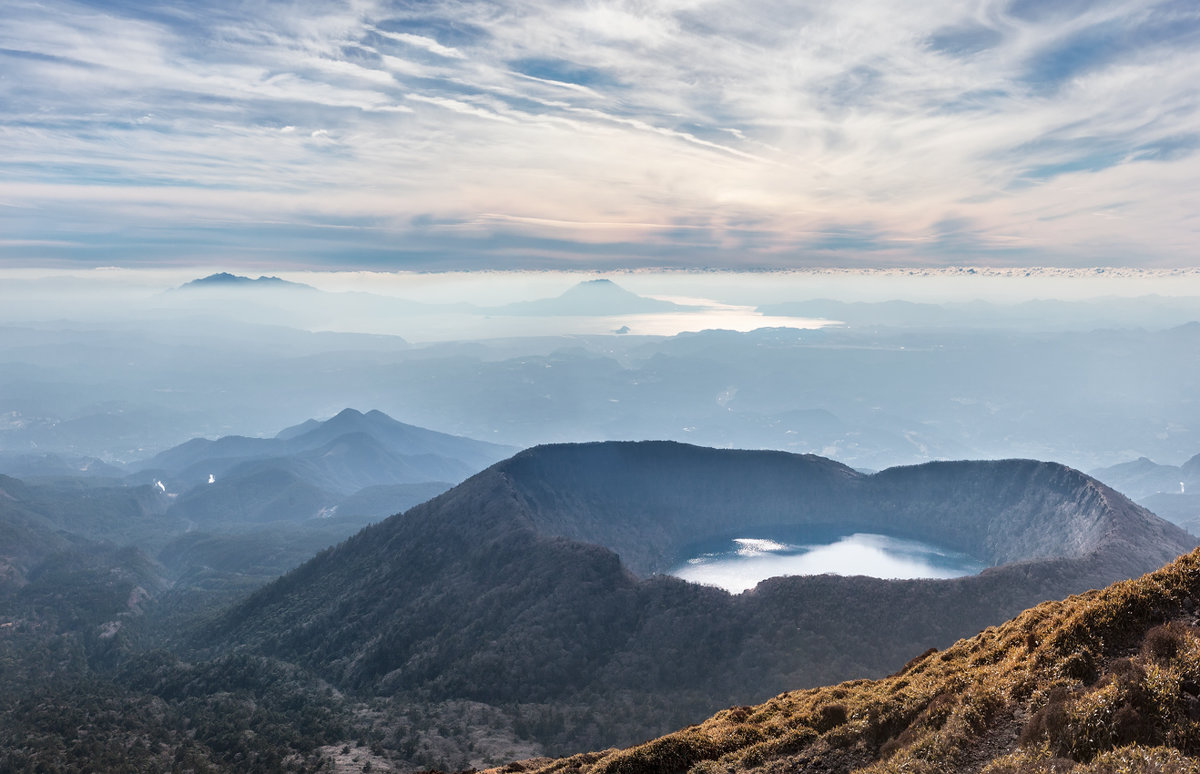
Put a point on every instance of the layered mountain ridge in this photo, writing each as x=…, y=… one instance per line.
x=308, y=470
x=393, y=451
x=1171, y=491
x=237, y=511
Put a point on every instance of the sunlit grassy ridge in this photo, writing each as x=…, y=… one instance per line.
x=1107, y=681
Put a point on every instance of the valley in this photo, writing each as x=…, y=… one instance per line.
x=878, y=393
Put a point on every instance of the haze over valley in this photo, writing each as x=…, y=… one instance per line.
x=1038, y=380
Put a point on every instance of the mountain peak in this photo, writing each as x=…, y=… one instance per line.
x=599, y=284
x=226, y=280
x=392, y=432
x=594, y=297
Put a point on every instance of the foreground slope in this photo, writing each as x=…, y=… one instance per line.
x=534, y=581
x=1107, y=681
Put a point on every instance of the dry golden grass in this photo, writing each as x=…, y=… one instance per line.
x=1107, y=681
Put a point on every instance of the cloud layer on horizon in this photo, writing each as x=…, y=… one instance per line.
x=525, y=133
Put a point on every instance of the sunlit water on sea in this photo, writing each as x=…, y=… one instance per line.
x=739, y=564
x=477, y=326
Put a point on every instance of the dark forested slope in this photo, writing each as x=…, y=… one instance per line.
x=1108, y=681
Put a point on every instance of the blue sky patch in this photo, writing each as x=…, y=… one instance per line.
x=1076, y=54
x=563, y=71
x=1169, y=148
x=964, y=41
x=1162, y=28
x=1039, y=11
x=1092, y=162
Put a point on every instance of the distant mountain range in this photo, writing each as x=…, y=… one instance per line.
x=603, y=297
x=869, y=398
x=1144, y=477
x=33, y=465
x=225, y=280
x=594, y=298
x=536, y=580
x=271, y=503
x=1171, y=491
x=307, y=470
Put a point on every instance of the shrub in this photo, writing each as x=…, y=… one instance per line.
x=830, y=716
x=1162, y=643
x=1048, y=723
x=1080, y=665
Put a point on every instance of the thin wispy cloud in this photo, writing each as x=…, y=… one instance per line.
x=465, y=133
x=422, y=42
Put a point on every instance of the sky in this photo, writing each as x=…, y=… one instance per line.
x=526, y=134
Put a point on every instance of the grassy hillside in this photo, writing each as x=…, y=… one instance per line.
x=1107, y=681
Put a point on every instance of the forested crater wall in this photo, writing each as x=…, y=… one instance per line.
x=648, y=501
x=536, y=580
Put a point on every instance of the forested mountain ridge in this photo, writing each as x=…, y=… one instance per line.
x=652, y=498
x=515, y=587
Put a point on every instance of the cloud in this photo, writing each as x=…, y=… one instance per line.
x=422, y=42
x=459, y=106
x=752, y=131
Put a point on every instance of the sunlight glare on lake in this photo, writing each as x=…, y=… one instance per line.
x=746, y=561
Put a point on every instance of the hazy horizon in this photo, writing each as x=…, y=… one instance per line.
x=873, y=368
x=450, y=306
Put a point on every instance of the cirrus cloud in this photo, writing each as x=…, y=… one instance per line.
x=458, y=133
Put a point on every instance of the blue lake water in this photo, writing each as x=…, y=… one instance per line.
x=739, y=564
